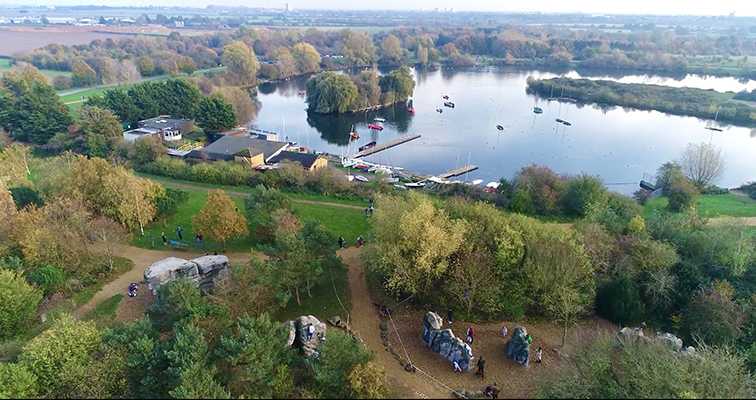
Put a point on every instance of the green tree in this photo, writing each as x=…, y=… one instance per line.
x=400, y=82
x=98, y=128
x=258, y=363
x=146, y=66
x=176, y=300
x=308, y=59
x=241, y=60
x=215, y=115
x=713, y=318
x=291, y=259
x=19, y=305
x=261, y=204
x=24, y=196
x=82, y=74
x=682, y=193
x=619, y=302
x=188, y=369
x=328, y=92
x=66, y=344
x=391, y=50
x=339, y=355
x=39, y=114
x=358, y=48
x=582, y=194
x=218, y=219
x=16, y=382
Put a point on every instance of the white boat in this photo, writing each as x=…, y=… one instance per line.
x=400, y=187
x=477, y=182
x=347, y=162
x=494, y=185
x=378, y=119
x=372, y=169
x=415, y=185
x=350, y=177
x=392, y=180
x=384, y=170
x=360, y=178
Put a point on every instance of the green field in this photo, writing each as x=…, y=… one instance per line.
x=5, y=66
x=713, y=205
x=346, y=222
x=105, y=313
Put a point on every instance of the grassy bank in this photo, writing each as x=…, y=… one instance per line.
x=5, y=66
x=681, y=101
x=339, y=221
x=120, y=267
x=714, y=205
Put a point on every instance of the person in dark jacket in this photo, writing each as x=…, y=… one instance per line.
x=481, y=365
x=449, y=315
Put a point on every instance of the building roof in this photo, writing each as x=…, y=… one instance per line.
x=227, y=146
x=162, y=122
x=305, y=159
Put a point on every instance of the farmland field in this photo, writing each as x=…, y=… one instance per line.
x=21, y=41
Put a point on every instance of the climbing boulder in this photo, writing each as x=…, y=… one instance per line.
x=205, y=271
x=301, y=325
x=443, y=342
x=671, y=340
x=518, y=347
x=337, y=322
x=289, y=326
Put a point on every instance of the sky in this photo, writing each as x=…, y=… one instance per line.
x=721, y=7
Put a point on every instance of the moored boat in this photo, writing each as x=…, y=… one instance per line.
x=360, y=178
x=367, y=146
x=499, y=127
x=559, y=120
x=354, y=135
x=477, y=181
x=410, y=110
x=440, y=110
x=350, y=177
x=375, y=126
x=379, y=119
x=567, y=123
x=415, y=185
x=538, y=110
x=449, y=104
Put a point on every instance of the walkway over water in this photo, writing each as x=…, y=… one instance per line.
x=458, y=171
x=387, y=145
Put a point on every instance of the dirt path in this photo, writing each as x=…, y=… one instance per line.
x=240, y=193
x=132, y=308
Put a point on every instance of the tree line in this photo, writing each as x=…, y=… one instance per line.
x=329, y=92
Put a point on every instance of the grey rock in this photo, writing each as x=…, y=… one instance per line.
x=518, y=347
x=443, y=342
x=308, y=346
x=671, y=340
x=337, y=322
x=208, y=264
x=206, y=272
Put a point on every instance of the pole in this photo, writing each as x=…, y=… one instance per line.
x=467, y=175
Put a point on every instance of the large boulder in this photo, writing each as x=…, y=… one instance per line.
x=518, y=347
x=443, y=342
x=204, y=271
x=300, y=341
x=671, y=340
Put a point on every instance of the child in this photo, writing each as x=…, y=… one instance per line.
x=504, y=332
x=538, y=355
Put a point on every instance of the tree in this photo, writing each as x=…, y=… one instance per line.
x=66, y=344
x=308, y=59
x=38, y=114
x=713, y=318
x=176, y=300
x=218, y=218
x=543, y=186
x=98, y=128
x=391, y=50
x=422, y=55
x=146, y=66
x=664, y=176
x=285, y=62
x=583, y=193
x=291, y=262
x=244, y=106
x=110, y=234
x=62, y=82
x=14, y=162
x=566, y=306
x=339, y=356
x=257, y=360
x=358, y=48
x=703, y=164
x=82, y=74
x=399, y=82
x=241, y=60
x=368, y=381
x=682, y=193
x=619, y=302
x=449, y=49
x=16, y=382
x=328, y=92
x=24, y=196
x=19, y=305
x=215, y=115
x=128, y=72
x=8, y=214
x=108, y=69
x=261, y=204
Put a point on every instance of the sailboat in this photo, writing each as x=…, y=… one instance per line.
x=410, y=109
x=354, y=134
x=714, y=128
x=551, y=96
x=538, y=110
x=499, y=127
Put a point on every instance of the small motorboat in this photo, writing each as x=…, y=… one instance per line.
x=415, y=185
x=440, y=110
x=360, y=178
x=567, y=123
x=559, y=120
x=350, y=177
x=493, y=185
x=499, y=127
x=265, y=167
x=367, y=146
x=477, y=181
x=445, y=97
x=411, y=110
x=538, y=110
x=449, y=104
x=379, y=119
x=713, y=128
x=375, y=126
x=354, y=135
x=372, y=169
x=361, y=166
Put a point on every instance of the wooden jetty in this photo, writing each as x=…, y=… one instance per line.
x=384, y=146
x=458, y=171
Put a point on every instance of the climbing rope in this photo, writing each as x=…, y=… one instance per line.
x=400, y=338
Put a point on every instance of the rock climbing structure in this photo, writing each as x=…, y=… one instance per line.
x=675, y=344
x=443, y=342
x=206, y=272
x=298, y=334
x=518, y=347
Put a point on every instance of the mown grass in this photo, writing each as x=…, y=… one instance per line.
x=713, y=205
x=339, y=221
x=104, y=314
x=120, y=267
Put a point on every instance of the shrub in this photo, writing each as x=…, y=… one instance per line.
x=544, y=187
x=642, y=196
x=19, y=302
x=521, y=202
x=682, y=194
x=636, y=226
x=582, y=193
x=619, y=302
x=49, y=278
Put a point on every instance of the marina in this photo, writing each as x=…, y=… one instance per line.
x=384, y=146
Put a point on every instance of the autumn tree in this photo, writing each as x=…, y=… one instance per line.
x=218, y=219
x=391, y=50
x=285, y=62
x=98, y=128
x=128, y=72
x=713, y=317
x=703, y=164
x=8, y=214
x=358, y=48
x=15, y=163
x=146, y=66
x=368, y=381
x=308, y=59
x=110, y=234
x=241, y=60
x=108, y=71
x=215, y=115
x=245, y=107
x=82, y=74
x=422, y=55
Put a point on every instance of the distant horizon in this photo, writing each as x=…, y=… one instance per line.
x=721, y=8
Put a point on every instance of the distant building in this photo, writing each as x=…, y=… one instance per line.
x=289, y=7
x=310, y=162
x=167, y=129
x=178, y=24
x=236, y=148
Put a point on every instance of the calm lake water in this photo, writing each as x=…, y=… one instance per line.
x=615, y=143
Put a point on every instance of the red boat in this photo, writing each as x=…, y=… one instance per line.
x=354, y=135
x=411, y=110
x=446, y=97
x=375, y=126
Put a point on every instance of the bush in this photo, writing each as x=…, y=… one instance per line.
x=544, y=187
x=682, y=194
x=583, y=193
x=49, y=278
x=642, y=196
x=19, y=303
x=24, y=196
x=619, y=302
x=62, y=82
x=521, y=202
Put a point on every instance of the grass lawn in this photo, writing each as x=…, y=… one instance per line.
x=323, y=304
x=346, y=222
x=120, y=267
x=104, y=314
x=713, y=205
x=5, y=66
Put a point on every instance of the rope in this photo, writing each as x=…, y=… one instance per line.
x=397, y=335
x=440, y=383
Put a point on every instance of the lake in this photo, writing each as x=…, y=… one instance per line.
x=615, y=143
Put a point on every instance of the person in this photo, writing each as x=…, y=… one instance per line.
x=316, y=355
x=494, y=390
x=470, y=334
x=360, y=241
x=529, y=339
x=504, y=331
x=371, y=210
x=179, y=230
x=371, y=202
x=538, y=355
x=450, y=314
x=215, y=252
x=310, y=331
x=199, y=239
x=481, y=364
x=366, y=212
x=469, y=350
x=456, y=367
x=165, y=240
x=236, y=209
x=341, y=242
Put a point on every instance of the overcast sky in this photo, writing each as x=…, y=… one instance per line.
x=702, y=7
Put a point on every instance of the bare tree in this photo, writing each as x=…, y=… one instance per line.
x=128, y=72
x=703, y=164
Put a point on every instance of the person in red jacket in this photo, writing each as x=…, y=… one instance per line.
x=470, y=334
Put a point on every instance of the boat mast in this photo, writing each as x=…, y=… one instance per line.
x=467, y=174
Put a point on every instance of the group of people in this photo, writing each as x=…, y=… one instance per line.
x=179, y=231
x=369, y=211
x=133, y=289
